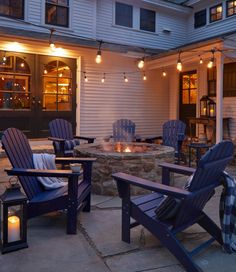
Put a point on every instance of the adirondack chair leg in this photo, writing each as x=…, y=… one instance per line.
x=170, y=241
x=125, y=220
x=87, y=206
x=72, y=205
x=210, y=226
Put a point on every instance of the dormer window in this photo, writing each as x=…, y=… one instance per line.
x=230, y=8
x=124, y=15
x=147, y=20
x=57, y=12
x=216, y=13
x=13, y=9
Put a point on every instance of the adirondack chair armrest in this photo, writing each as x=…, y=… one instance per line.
x=67, y=160
x=54, y=139
x=175, y=168
x=150, y=185
x=41, y=172
x=89, y=139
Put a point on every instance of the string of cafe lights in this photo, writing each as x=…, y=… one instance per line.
x=140, y=62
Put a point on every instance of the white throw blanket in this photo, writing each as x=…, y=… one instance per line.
x=47, y=162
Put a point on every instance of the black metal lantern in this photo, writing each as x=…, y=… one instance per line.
x=204, y=106
x=212, y=108
x=13, y=232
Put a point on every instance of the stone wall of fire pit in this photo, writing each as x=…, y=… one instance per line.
x=139, y=159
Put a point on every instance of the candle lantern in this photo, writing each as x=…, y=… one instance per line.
x=13, y=232
x=204, y=106
x=212, y=108
x=207, y=107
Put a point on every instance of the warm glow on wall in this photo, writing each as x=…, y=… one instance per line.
x=15, y=46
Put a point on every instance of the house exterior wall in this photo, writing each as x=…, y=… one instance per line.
x=144, y=102
x=227, y=24
x=173, y=21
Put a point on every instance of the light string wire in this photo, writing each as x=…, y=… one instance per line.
x=53, y=30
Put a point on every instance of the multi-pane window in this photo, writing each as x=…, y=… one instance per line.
x=189, y=88
x=57, y=12
x=12, y=8
x=147, y=20
x=15, y=79
x=230, y=8
x=200, y=18
x=57, y=91
x=216, y=13
x=124, y=15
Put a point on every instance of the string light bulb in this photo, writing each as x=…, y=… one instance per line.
x=164, y=74
x=179, y=64
x=45, y=71
x=211, y=62
x=144, y=76
x=99, y=54
x=85, y=77
x=125, y=78
x=4, y=58
x=103, y=79
x=51, y=43
x=141, y=63
x=201, y=60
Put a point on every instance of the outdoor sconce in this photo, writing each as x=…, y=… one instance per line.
x=207, y=107
x=13, y=229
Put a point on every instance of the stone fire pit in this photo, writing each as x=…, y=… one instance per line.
x=139, y=159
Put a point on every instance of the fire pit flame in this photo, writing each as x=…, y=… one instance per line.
x=127, y=149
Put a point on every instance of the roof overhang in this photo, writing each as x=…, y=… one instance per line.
x=191, y=53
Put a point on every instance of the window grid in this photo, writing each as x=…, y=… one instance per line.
x=12, y=9
x=57, y=12
x=216, y=13
x=230, y=8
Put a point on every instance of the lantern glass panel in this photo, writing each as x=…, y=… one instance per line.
x=14, y=223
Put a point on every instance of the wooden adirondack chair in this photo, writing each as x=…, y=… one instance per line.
x=173, y=135
x=63, y=139
x=123, y=131
x=40, y=201
x=206, y=177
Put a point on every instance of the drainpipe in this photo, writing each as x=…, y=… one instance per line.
x=219, y=96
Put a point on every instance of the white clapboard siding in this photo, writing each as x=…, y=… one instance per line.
x=173, y=21
x=230, y=111
x=144, y=102
x=84, y=18
x=210, y=29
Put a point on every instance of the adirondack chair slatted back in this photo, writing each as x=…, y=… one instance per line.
x=18, y=150
x=60, y=128
x=123, y=130
x=171, y=130
x=206, y=177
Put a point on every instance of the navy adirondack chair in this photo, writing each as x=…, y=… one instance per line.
x=123, y=131
x=63, y=139
x=173, y=135
x=40, y=201
x=205, y=179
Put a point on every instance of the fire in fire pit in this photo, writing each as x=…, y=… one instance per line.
x=129, y=147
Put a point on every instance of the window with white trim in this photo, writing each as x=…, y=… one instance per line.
x=57, y=12
x=124, y=15
x=147, y=20
x=12, y=8
x=216, y=13
x=230, y=8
